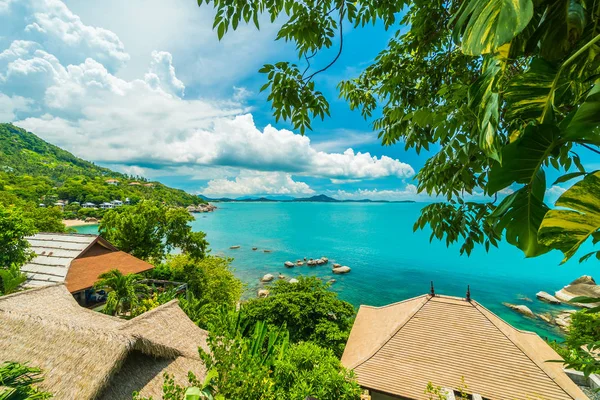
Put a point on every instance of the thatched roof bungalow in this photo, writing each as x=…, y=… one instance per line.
x=396, y=350
x=88, y=355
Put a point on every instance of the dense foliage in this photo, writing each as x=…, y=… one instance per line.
x=124, y=291
x=14, y=248
x=496, y=92
x=582, y=342
x=17, y=382
x=150, y=230
x=263, y=365
x=309, y=310
x=38, y=172
x=211, y=285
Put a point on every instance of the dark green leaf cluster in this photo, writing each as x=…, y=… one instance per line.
x=18, y=382
x=309, y=310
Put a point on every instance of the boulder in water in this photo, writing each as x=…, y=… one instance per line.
x=263, y=293
x=267, y=251
x=547, y=318
x=293, y=280
x=234, y=247
x=288, y=264
x=281, y=276
x=341, y=270
x=332, y=281
x=583, y=286
x=547, y=297
x=335, y=265
x=325, y=259
x=521, y=309
x=255, y=248
x=267, y=278
x=299, y=263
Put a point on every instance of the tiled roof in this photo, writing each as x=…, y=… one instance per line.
x=84, y=271
x=398, y=349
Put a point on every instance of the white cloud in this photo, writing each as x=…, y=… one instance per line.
x=553, y=193
x=252, y=183
x=240, y=94
x=62, y=33
x=145, y=122
x=9, y=106
x=342, y=139
x=407, y=193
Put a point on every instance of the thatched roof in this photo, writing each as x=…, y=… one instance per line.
x=399, y=348
x=83, y=352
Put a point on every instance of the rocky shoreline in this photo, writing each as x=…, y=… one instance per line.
x=201, y=208
x=584, y=286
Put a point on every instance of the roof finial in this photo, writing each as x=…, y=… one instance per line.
x=432, y=290
x=468, y=293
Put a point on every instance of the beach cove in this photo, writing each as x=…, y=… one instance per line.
x=389, y=262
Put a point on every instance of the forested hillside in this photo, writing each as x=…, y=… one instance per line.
x=33, y=170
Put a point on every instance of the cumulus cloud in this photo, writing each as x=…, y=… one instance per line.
x=407, y=193
x=146, y=123
x=252, y=183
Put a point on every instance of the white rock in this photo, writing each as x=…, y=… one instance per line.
x=267, y=278
x=335, y=265
x=547, y=297
x=263, y=293
x=341, y=270
x=288, y=264
x=521, y=309
x=293, y=280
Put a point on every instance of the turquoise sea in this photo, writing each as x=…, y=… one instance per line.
x=389, y=262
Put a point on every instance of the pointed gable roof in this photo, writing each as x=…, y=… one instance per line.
x=398, y=349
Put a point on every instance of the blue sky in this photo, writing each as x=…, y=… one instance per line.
x=145, y=87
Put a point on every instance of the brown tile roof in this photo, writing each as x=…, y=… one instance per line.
x=84, y=271
x=398, y=349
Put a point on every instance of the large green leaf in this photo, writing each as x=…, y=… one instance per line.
x=520, y=214
x=585, y=125
x=530, y=95
x=567, y=229
x=485, y=25
x=523, y=158
x=484, y=98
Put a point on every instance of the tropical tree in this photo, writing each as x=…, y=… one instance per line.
x=150, y=230
x=309, y=310
x=124, y=291
x=14, y=227
x=17, y=382
x=497, y=93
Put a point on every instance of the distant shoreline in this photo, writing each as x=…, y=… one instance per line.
x=69, y=223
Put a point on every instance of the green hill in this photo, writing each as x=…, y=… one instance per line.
x=35, y=171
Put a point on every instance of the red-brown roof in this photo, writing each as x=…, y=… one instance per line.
x=84, y=271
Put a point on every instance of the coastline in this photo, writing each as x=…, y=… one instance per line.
x=70, y=223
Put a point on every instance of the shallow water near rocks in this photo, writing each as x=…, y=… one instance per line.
x=389, y=261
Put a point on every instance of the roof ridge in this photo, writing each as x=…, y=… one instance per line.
x=427, y=298
x=479, y=308
x=149, y=314
x=393, y=304
x=28, y=291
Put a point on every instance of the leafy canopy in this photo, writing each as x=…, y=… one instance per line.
x=124, y=291
x=150, y=230
x=309, y=310
x=529, y=73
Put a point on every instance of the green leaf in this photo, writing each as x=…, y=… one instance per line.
x=530, y=95
x=193, y=393
x=586, y=122
x=520, y=214
x=486, y=25
x=567, y=229
x=523, y=158
x=484, y=97
x=568, y=177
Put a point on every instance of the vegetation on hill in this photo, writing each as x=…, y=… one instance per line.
x=35, y=171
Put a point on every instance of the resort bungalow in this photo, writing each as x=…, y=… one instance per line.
x=87, y=355
x=450, y=342
x=106, y=206
x=88, y=205
x=76, y=260
x=117, y=203
x=112, y=182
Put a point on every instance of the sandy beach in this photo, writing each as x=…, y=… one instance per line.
x=77, y=222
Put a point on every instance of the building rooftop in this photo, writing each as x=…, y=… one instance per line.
x=75, y=259
x=89, y=355
x=398, y=349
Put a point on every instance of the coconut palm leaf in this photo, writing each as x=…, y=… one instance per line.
x=483, y=26
x=567, y=229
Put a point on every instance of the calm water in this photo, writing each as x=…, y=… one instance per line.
x=389, y=262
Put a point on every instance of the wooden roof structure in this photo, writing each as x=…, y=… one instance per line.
x=89, y=355
x=398, y=349
x=75, y=259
